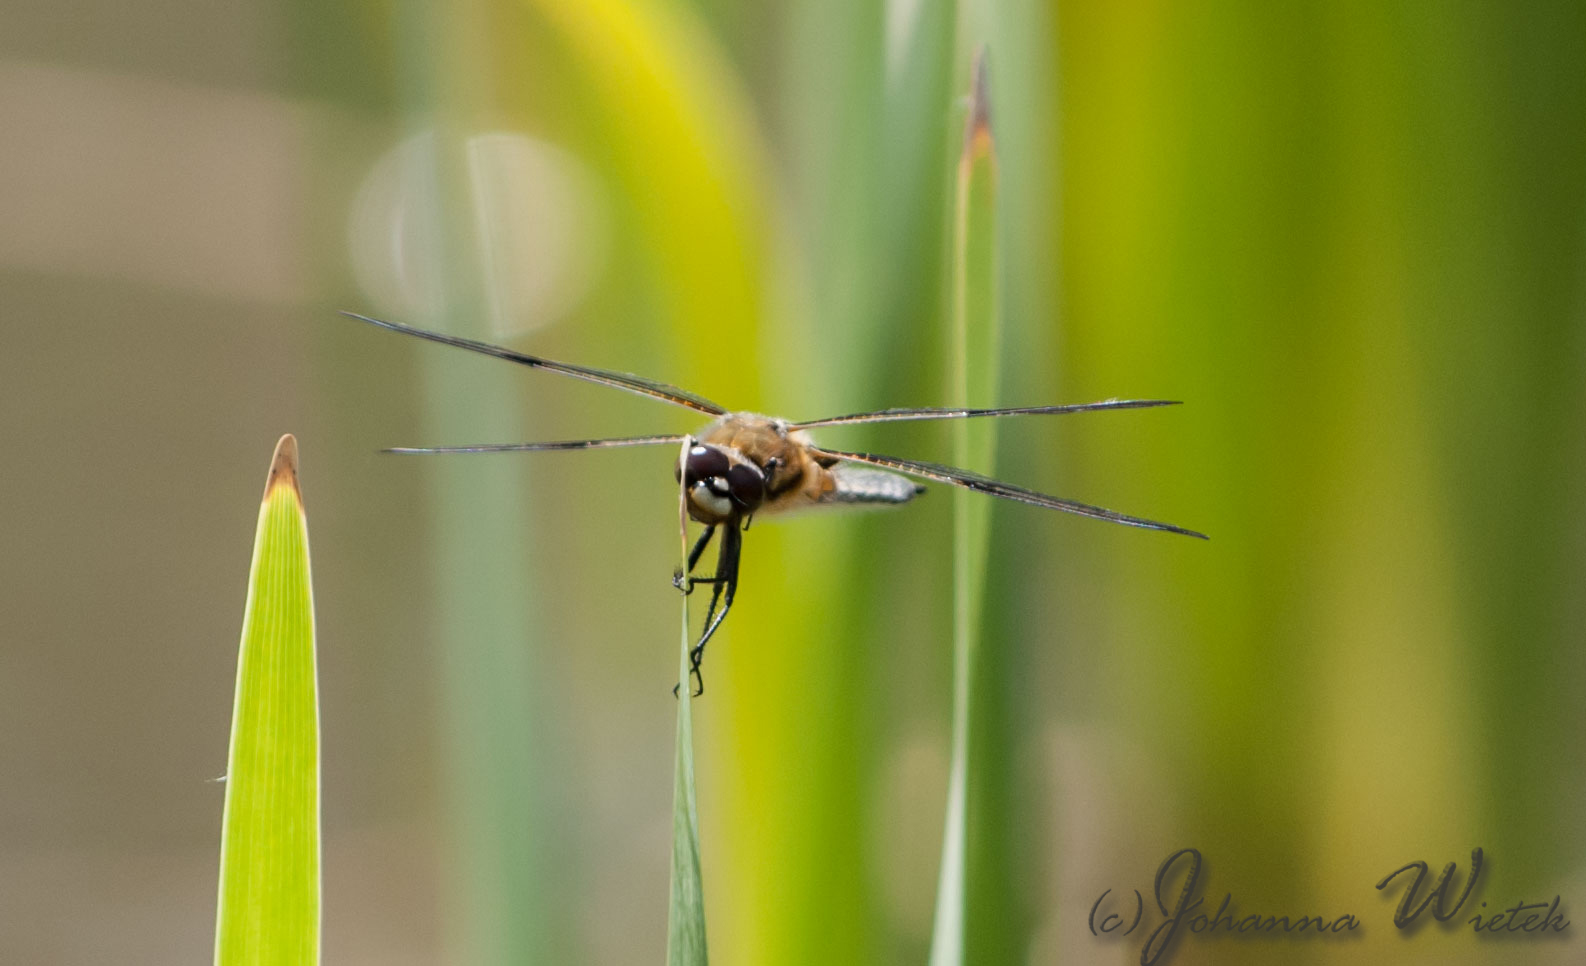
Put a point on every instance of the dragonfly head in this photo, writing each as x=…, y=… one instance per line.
x=721, y=486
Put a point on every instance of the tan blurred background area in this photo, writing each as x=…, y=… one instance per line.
x=1351, y=237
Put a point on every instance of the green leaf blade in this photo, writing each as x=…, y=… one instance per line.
x=685, y=924
x=269, y=904
x=685, y=939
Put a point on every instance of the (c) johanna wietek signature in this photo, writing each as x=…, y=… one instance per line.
x=1113, y=914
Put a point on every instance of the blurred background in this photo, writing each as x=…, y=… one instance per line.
x=1352, y=237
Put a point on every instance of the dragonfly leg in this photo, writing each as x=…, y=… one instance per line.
x=681, y=580
x=724, y=586
x=699, y=547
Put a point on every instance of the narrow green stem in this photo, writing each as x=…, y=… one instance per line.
x=685, y=940
x=975, y=348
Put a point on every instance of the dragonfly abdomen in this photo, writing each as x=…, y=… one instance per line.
x=857, y=485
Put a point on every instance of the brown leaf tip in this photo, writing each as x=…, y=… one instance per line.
x=283, y=467
x=980, y=98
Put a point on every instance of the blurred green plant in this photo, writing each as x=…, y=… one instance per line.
x=975, y=339
x=269, y=906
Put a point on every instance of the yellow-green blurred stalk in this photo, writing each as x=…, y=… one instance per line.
x=500, y=907
x=976, y=335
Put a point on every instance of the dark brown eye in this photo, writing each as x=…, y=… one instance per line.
x=746, y=485
x=705, y=462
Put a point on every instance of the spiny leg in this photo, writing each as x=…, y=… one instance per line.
x=697, y=652
x=682, y=581
x=699, y=547
x=725, y=584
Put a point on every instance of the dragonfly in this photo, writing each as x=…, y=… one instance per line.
x=742, y=465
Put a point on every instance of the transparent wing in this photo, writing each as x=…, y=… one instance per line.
x=947, y=412
x=535, y=447
x=985, y=484
x=605, y=377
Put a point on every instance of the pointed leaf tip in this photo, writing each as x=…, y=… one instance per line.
x=268, y=904
x=283, y=467
x=980, y=99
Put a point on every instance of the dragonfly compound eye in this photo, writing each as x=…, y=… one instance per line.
x=746, y=485
x=705, y=462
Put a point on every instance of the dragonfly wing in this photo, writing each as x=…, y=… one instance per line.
x=955, y=412
x=954, y=476
x=604, y=377
x=540, y=447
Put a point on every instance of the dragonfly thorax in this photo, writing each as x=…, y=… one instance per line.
x=791, y=474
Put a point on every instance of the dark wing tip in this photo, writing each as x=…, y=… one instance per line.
x=1145, y=524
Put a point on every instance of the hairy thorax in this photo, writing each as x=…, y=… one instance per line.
x=794, y=476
